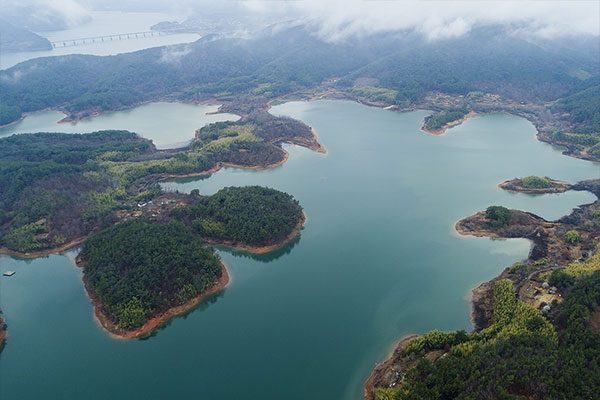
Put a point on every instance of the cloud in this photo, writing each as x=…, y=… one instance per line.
x=173, y=54
x=340, y=19
x=46, y=14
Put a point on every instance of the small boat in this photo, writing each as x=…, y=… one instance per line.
x=9, y=273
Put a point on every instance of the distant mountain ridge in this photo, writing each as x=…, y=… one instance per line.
x=281, y=61
x=14, y=39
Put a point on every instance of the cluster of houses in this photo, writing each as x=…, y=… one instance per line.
x=540, y=296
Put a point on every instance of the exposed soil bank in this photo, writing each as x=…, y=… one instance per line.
x=2, y=334
x=380, y=377
x=158, y=320
x=515, y=185
x=443, y=129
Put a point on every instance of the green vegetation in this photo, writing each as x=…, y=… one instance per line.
x=497, y=216
x=9, y=114
x=587, y=267
x=25, y=238
x=61, y=179
x=521, y=355
x=520, y=269
x=387, y=96
x=572, y=236
x=584, y=139
x=438, y=120
x=138, y=269
x=511, y=317
x=403, y=70
x=584, y=111
x=474, y=95
x=253, y=215
x=535, y=182
x=76, y=182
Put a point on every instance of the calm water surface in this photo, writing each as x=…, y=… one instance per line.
x=167, y=124
x=377, y=259
x=105, y=23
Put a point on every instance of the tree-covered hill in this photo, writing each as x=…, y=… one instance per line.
x=141, y=267
x=252, y=215
x=521, y=356
x=138, y=269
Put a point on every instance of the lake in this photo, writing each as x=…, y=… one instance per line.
x=104, y=23
x=377, y=259
x=168, y=125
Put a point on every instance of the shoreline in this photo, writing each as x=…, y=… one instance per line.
x=369, y=386
x=67, y=119
x=77, y=241
x=157, y=321
x=321, y=149
x=43, y=253
x=253, y=249
x=2, y=334
x=542, y=247
x=443, y=129
x=513, y=185
x=219, y=165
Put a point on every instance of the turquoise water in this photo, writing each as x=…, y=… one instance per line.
x=169, y=125
x=378, y=258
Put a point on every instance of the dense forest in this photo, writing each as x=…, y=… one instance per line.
x=60, y=180
x=138, y=269
x=143, y=266
x=253, y=215
x=582, y=109
x=521, y=355
x=56, y=187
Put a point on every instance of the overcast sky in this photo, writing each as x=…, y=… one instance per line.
x=339, y=19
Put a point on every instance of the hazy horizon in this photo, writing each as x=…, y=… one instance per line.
x=335, y=20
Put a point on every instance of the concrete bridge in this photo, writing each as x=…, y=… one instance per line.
x=106, y=38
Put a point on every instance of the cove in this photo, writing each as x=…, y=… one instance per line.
x=168, y=125
x=377, y=259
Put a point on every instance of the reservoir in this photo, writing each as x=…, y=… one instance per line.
x=104, y=23
x=168, y=125
x=377, y=259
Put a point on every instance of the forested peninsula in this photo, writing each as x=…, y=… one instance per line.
x=148, y=257
x=537, y=333
x=439, y=122
x=57, y=188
